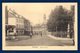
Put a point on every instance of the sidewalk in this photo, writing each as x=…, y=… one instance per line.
x=58, y=38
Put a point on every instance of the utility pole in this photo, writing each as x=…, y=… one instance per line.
x=6, y=14
x=6, y=19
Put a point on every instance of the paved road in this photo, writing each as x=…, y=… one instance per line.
x=37, y=40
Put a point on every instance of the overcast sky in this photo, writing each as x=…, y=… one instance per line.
x=35, y=11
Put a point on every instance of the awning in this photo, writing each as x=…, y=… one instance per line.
x=9, y=26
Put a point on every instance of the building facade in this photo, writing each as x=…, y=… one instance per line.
x=17, y=22
x=39, y=29
x=27, y=27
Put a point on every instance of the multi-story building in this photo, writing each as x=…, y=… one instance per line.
x=27, y=27
x=10, y=19
x=37, y=29
x=16, y=23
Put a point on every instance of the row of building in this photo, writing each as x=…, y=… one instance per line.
x=16, y=23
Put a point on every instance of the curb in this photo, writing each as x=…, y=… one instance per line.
x=57, y=38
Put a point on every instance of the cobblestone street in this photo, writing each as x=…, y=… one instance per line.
x=37, y=40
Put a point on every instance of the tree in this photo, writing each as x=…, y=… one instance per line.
x=58, y=19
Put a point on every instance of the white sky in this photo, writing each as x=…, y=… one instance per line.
x=35, y=11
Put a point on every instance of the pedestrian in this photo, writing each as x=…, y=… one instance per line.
x=30, y=35
x=41, y=34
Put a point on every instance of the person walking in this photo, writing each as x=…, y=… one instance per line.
x=30, y=35
x=41, y=34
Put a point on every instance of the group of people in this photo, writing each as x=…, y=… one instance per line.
x=36, y=33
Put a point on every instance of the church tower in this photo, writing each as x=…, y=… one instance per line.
x=44, y=24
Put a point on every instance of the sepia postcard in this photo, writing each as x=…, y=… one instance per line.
x=39, y=26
